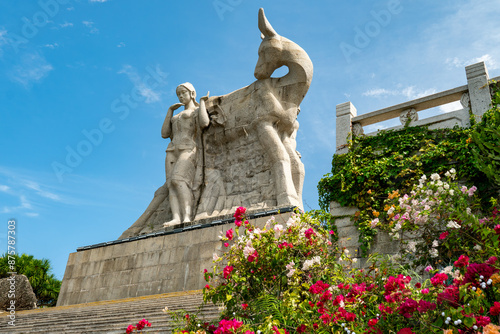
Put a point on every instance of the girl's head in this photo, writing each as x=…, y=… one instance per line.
x=186, y=92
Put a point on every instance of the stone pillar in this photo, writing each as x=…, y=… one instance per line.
x=479, y=91
x=348, y=233
x=345, y=112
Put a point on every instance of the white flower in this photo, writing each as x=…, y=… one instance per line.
x=423, y=178
x=452, y=224
x=468, y=210
x=435, y=243
x=316, y=259
x=446, y=186
x=374, y=223
x=435, y=177
x=248, y=250
x=290, y=265
x=278, y=228
x=354, y=260
x=391, y=210
x=216, y=257
x=307, y=264
x=433, y=252
x=448, y=270
x=412, y=246
x=452, y=192
x=477, y=247
x=346, y=251
x=439, y=183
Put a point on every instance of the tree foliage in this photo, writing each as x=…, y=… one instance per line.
x=45, y=285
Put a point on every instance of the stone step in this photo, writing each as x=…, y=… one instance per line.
x=110, y=316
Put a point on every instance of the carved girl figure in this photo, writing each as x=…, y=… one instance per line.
x=184, y=130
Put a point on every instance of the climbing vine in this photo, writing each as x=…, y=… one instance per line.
x=375, y=166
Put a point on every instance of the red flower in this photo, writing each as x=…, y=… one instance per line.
x=418, y=285
x=372, y=322
x=474, y=270
x=318, y=287
x=237, y=223
x=443, y=235
x=226, y=244
x=463, y=261
x=227, y=271
x=310, y=232
x=424, y=306
x=491, y=261
x=407, y=307
x=244, y=306
x=439, y=278
x=482, y=321
x=229, y=234
x=495, y=309
x=253, y=257
x=130, y=329
x=239, y=213
x=405, y=331
x=497, y=229
x=301, y=329
x=207, y=287
x=143, y=323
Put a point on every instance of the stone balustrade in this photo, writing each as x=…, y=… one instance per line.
x=474, y=97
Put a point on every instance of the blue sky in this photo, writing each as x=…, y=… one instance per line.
x=68, y=69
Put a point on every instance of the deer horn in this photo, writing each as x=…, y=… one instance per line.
x=264, y=26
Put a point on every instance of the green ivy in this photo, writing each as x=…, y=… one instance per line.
x=395, y=160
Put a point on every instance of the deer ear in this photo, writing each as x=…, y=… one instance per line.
x=262, y=36
x=264, y=26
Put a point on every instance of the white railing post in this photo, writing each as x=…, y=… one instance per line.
x=345, y=112
x=479, y=91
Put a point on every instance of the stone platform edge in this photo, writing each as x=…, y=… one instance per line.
x=204, y=223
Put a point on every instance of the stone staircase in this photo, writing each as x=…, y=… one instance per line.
x=110, y=316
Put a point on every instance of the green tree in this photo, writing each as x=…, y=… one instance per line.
x=45, y=285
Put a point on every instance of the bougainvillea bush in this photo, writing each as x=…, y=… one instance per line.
x=288, y=277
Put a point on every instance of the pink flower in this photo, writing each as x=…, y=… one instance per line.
x=244, y=306
x=492, y=260
x=407, y=308
x=443, y=235
x=463, y=189
x=253, y=257
x=238, y=215
x=318, y=287
x=439, y=279
x=497, y=229
x=237, y=223
x=405, y=330
x=471, y=191
x=143, y=323
x=226, y=244
x=424, y=306
x=207, y=287
x=227, y=271
x=495, y=309
x=229, y=234
x=309, y=233
x=463, y=261
x=428, y=268
x=331, y=232
x=425, y=291
x=130, y=329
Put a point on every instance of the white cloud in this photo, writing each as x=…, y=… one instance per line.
x=35, y=186
x=3, y=39
x=90, y=25
x=66, y=24
x=98, y=0
x=490, y=62
x=32, y=68
x=4, y=188
x=147, y=92
x=51, y=46
x=409, y=92
x=120, y=45
x=32, y=214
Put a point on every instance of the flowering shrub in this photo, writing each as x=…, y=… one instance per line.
x=139, y=326
x=288, y=277
x=439, y=222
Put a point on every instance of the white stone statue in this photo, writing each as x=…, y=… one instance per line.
x=237, y=149
x=184, y=130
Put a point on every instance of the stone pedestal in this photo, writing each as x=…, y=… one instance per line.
x=165, y=262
